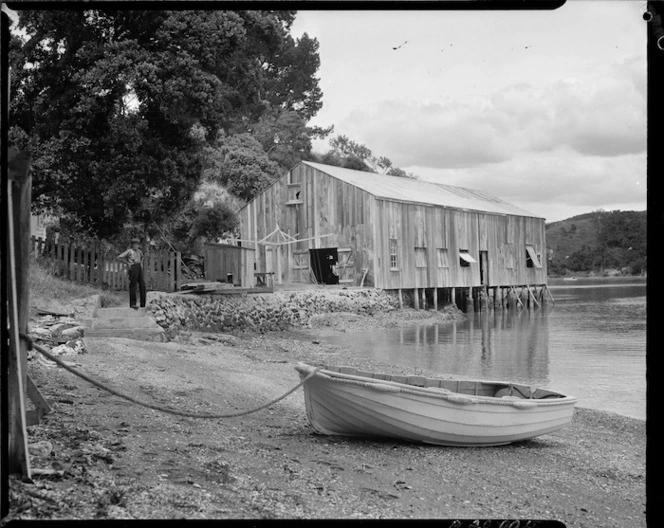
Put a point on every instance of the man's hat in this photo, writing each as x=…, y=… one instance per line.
x=137, y=240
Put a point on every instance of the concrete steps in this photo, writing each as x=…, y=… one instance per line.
x=124, y=322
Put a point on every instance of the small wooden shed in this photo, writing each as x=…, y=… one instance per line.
x=228, y=263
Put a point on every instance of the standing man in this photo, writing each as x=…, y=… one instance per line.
x=133, y=257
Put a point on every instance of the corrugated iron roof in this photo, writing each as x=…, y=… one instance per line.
x=417, y=191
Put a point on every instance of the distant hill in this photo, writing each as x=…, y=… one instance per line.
x=601, y=242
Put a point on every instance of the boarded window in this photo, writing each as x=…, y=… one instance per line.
x=294, y=194
x=420, y=257
x=465, y=259
x=532, y=258
x=507, y=254
x=394, y=264
x=442, y=258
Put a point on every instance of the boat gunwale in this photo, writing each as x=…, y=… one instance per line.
x=437, y=392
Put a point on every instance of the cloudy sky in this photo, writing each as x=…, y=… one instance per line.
x=545, y=109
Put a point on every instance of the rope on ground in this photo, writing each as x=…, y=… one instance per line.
x=212, y=416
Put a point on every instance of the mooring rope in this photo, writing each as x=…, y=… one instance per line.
x=41, y=350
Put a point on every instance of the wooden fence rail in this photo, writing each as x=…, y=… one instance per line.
x=89, y=264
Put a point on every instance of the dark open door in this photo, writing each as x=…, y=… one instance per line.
x=323, y=262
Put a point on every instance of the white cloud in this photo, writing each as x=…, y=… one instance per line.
x=559, y=179
x=598, y=117
x=432, y=134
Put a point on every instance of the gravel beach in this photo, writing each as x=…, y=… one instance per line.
x=108, y=458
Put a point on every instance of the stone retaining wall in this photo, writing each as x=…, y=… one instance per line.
x=178, y=312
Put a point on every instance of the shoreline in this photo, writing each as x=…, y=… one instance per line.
x=145, y=464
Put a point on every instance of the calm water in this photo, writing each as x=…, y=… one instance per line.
x=591, y=344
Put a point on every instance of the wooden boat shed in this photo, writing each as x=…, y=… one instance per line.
x=432, y=241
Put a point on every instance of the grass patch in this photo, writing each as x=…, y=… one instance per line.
x=45, y=284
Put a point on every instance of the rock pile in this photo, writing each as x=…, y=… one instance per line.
x=260, y=312
x=62, y=335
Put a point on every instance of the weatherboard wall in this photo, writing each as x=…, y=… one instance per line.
x=322, y=211
x=504, y=238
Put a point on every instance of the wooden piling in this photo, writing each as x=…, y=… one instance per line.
x=532, y=295
x=470, y=306
x=523, y=296
x=19, y=190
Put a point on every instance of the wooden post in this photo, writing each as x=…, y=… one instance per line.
x=156, y=262
x=435, y=301
x=69, y=258
x=523, y=294
x=535, y=303
x=149, y=271
x=416, y=299
x=549, y=292
x=94, y=260
x=171, y=276
x=73, y=263
x=85, y=268
x=178, y=270
x=118, y=279
x=77, y=262
x=102, y=267
x=19, y=189
x=289, y=256
x=41, y=405
x=48, y=251
x=61, y=259
x=111, y=274
x=400, y=300
x=453, y=294
x=424, y=298
x=85, y=264
x=517, y=296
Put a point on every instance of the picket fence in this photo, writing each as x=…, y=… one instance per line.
x=92, y=265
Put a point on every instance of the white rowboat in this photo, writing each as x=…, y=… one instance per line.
x=346, y=401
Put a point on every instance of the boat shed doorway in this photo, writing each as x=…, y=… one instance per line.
x=323, y=264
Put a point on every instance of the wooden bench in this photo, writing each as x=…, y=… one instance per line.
x=264, y=278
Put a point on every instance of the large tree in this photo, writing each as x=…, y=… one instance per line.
x=120, y=108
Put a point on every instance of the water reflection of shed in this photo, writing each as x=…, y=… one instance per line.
x=395, y=234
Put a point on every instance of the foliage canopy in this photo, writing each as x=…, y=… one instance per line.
x=123, y=110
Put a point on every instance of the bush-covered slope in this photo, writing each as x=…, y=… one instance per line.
x=600, y=242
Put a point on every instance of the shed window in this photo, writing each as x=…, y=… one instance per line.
x=442, y=258
x=393, y=254
x=532, y=258
x=465, y=259
x=294, y=194
x=420, y=257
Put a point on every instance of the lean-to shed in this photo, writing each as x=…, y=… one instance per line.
x=392, y=233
